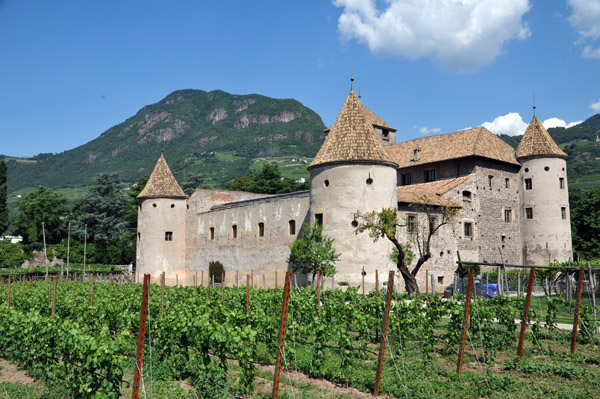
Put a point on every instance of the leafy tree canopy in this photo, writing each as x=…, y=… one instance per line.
x=103, y=210
x=585, y=222
x=268, y=181
x=313, y=252
x=41, y=205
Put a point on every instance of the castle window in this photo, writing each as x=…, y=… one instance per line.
x=466, y=195
x=212, y=233
x=355, y=223
x=385, y=134
x=430, y=175
x=528, y=184
x=154, y=205
x=563, y=212
x=490, y=181
x=561, y=182
x=319, y=219
x=508, y=215
x=433, y=224
x=139, y=236
x=411, y=224
x=326, y=182
x=172, y=205
x=234, y=231
x=369, y=180
x=546, y=168
x=261, y=229
x=507, y=183
x=406, y=179
x=140, y=206
x=503, y=238
x=292, y=227
x=529, y=213
x=468, y=229
x=168, y=236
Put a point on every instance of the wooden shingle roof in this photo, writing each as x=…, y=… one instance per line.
x=430, y=193
x=162, y=183
x=352, y=139
x=466, y=143
x=537, y=142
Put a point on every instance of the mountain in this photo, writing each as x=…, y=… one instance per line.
x=213, y=134
x=579, y=143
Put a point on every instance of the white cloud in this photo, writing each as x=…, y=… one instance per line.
x=556, y=122
x=595, y=106
x=458, y=35
x=585, y=20
x=424, y=130
x=511, y=124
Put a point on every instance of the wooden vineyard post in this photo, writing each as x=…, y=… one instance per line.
x=377, y=284
x=463, y=338
x=284, y=314
x=275, y=282
x=141, y=335
x=252, y=278
x=92, y=289
x=363, y=281
x=592, y=279
x=8, y=294
x=223, y=285
x=264, y=282
x=111, y=283
x=526, y=313
x=54, y=297
x=74, y=283
x=202, y=279
x=162, y=294
x=577, y=307
x=196, y=280
x=237, y=279
x=386, y=320
x=84, y=249
x=318, y=292
x=247, y=294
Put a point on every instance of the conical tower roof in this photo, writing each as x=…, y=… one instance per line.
x=537, y=142
x=352, y=139
x=162, y=183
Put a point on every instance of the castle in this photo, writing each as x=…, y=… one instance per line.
x=511, y=203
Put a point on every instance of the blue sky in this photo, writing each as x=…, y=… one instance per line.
x=69, y=70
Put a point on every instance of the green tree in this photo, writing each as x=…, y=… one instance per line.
x=585, y=222
x=268, y=181
x=3, y=206
x=193, y=182
x=313, y=252
x=11, y=255
x=41, y=205
x=103, y=210
x=421, y=231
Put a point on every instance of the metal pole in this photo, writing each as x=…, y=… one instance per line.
x=386, y=320
x=284, y=313
x=463, y=338
x=526, y=313
x=576, y=318
x=141, y=334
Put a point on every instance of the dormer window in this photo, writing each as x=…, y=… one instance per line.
x=430, y=175
x=385, y=134
x=417, y=155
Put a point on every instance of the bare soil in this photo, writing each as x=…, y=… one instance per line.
x=9, y=373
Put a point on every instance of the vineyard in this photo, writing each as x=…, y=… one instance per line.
x=80, y=339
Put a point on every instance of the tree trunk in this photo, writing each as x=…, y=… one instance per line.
x=410, y=282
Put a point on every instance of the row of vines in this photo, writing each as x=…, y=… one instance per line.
x=88, y=349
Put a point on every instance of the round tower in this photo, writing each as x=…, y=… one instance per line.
x=162, y=208
x=545, y=221
x=352, y=173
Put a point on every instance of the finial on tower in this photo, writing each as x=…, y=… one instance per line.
x=352, y=84
x=162, y=152
x=359, y=96
x=534, y=104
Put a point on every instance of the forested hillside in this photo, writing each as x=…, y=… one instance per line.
x=214, y=135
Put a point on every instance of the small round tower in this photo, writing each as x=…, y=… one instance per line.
x=353, y=172
x=162, y=208
x=545, y=221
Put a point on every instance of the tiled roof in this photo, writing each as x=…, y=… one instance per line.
x=352, y=138
x=372, y=119
x=430, y=193
x=162, y=183
x=537, y=142
x=471, y=142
